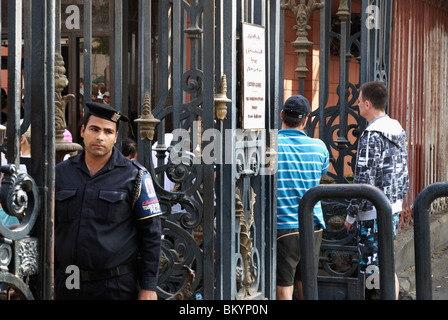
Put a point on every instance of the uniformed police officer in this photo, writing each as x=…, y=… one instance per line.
x=107, y=215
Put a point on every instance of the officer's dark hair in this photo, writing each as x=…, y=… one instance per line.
x=377, y=93
x=87, y=116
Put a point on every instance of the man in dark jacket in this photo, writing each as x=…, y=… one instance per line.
x=108, y=229
x=381, y=161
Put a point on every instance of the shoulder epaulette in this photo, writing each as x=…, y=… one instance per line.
x=138, y=181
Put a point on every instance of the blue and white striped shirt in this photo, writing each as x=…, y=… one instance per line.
x=301, y=163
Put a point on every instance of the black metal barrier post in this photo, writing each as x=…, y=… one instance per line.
x=306, y=229
x=422, y=239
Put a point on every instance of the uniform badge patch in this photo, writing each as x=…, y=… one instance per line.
x=147, y=204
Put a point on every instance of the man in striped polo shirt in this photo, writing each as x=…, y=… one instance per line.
x=301, y=163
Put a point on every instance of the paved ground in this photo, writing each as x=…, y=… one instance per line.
x=440, y=274
x=439, y=267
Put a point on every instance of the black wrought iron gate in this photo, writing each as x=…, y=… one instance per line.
x=214, y=177
x=212, y=181
x=26, y=247
x=214, y=172
x=358, y=34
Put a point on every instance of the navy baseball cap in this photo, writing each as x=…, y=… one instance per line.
x=297, y=106
x=105, y=111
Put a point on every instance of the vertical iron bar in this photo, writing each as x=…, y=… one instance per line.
x=422, y=241
x=118, y=59
x=219, y=245
x=227, y=267
x=14, y=80
x=38, y=108
x=325, y=18
x=302, y=86
x=43, y=146
x=177, y=61
x=219, y=185
x=275, y=96
x=343, y=17
x=163, y=67
x=38, y=91
x=208, y=118
x=87, y=50
x=422, y=247
x=50, y=153
x=386, y=248
x=145, y=47
x=364, y=43
x=388, y=40
x=302, y=80
x=306, y=230
x=384, y=216
x=144, y=53
x=27, y=33
x=126, y=65
x=58, y=27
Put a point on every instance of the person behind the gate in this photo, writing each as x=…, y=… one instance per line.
x=381, y=160
x=107, y=216
x=301, y=163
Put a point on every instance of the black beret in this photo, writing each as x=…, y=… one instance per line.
x=105, y=111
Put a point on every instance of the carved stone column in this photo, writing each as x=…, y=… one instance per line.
x=302, y=13
x=62, y=147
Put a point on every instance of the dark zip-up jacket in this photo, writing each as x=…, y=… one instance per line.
x=381, y=161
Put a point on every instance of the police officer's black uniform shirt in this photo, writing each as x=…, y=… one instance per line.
x=97, y=226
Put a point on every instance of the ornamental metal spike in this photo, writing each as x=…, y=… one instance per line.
x=147, y=119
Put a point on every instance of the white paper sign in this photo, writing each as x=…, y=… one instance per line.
x=254, y=76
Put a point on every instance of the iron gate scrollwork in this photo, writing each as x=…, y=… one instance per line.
x=19, y=253
x=359, y=35
x=177, y=109
x=27, y=187
x=183, y=56
x=246, y=180
x=353, y=35
x=217, y=244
